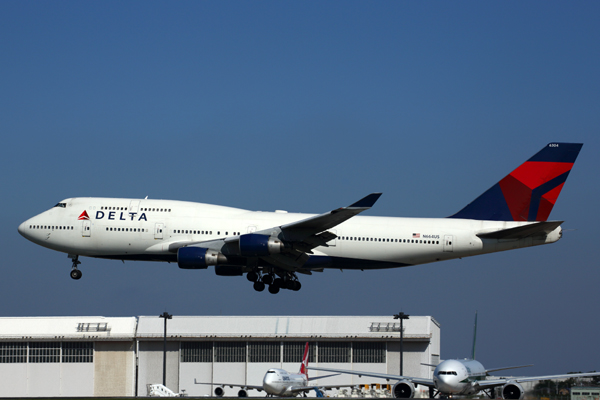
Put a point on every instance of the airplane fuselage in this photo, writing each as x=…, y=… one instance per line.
x=458, y=377
x=279, y=382
x=131, y=229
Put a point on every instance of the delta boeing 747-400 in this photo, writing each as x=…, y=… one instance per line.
x=272, y=248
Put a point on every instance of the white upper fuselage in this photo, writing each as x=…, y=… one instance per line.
x=143, y=229
x=279, y=382
x=458, y=376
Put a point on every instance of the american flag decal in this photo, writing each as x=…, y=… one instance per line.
x=416, y=235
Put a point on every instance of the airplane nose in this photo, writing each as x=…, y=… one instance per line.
x=22, y=228
x=443, y=383
x=25, y=231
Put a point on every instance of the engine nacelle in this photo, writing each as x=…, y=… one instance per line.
x=219, y=391
x=242, y=393
x=228, y=270
x=512, y=390
x=403, y=390
x=254, y=245
x=198, y=257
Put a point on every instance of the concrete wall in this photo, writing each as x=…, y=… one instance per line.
x=150, y=369
x=114, y=369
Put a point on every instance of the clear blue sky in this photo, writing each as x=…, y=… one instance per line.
x=308, y=106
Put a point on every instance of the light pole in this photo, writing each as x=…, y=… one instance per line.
x=401, y=316
x=166, y=316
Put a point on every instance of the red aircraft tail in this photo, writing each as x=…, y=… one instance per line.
x=303, y=367
x=530, y=191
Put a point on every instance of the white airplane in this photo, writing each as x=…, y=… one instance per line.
x=271, y=248
x=459, y=377
x=279, y=382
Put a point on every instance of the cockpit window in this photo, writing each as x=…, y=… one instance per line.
x=61, y=205
x=447, y=373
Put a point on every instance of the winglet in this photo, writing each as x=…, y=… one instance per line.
x=367, y=201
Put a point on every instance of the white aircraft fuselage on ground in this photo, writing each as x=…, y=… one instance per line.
x=462, y=377
x=458, y=377
x=272, y=247
x=279, y=382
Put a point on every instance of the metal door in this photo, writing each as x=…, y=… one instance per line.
x=134, y=205
x=158, y=231
x=448, y=246
x=86, y=228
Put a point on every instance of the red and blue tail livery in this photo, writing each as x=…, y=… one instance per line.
x=529, y=192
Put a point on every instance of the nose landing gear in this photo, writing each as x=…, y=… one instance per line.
x=75, y=273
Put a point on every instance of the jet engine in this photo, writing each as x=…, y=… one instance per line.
x=242, y=393
x=198, y=257
x=512, y=390
x=219, y=391
x=403, y=390
x=228, y=270
x=255, y=245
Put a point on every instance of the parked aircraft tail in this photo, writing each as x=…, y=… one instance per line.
x=529, y=192
x=303, y=367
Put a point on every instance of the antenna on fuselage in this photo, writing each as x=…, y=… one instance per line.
x=474, y=337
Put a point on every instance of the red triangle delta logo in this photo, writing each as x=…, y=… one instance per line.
x=84, y=215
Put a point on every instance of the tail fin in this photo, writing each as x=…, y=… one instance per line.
x=474, y=337
x=304, y=366
x=530, y=191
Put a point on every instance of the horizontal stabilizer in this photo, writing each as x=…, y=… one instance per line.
x=522, y=232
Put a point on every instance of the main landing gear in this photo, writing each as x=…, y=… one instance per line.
x=288, y=281
x=75, y=273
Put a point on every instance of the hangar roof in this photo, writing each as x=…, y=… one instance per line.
x=48, y=328
x=268, y=327
x=210, y=327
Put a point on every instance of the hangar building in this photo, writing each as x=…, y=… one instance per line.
x=99, y=356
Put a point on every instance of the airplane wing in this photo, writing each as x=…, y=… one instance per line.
x=297, y=389
x=487, y=384
x=304, y=235
x=420, y=381
x=487, y=371
x=231, y=385
x=312, y=378
x=300, y=237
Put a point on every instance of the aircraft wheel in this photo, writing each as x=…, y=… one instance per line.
x=289, y=284
x=252, y=276
x=267, y=279
x=274, y=289
x=76, y=274
x=259, y=286
x=297, y=286
x=280, y=283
